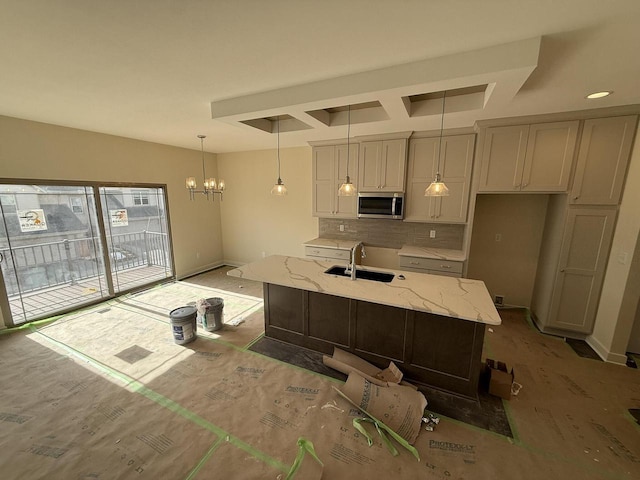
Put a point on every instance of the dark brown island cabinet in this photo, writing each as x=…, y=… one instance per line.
x=431, y=350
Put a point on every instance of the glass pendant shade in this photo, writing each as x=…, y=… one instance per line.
x=436, y=188
x=279, y=188
x=347, y=189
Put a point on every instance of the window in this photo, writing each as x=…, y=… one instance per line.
x=7, y=199
x=140, y=198
x=76, y=204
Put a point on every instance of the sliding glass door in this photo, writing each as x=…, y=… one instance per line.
x=62, y=246
x=137, y=238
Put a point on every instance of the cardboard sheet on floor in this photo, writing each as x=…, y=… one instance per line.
x=244, y=310
x=197, y=395
x=62, y=419
x=400, y=408
x=347, y=363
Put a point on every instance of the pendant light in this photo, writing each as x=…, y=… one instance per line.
x=210, y=185
x=437, y=188
x=347, y=189
x=279, y=188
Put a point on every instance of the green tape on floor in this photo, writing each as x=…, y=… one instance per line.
x=169, y=404
x=204, y=459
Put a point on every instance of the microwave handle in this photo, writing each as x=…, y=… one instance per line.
x=393, y=206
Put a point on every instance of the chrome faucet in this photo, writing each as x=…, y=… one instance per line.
x=351, y=268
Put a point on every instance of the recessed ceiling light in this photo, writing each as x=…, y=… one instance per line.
x=605, y=93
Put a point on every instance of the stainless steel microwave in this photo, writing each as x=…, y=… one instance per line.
x=381, y=205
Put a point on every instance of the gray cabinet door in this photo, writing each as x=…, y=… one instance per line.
x=503, y=158
x=550, y=149
x=602, y=160
x=323, y=165
x=583, y=258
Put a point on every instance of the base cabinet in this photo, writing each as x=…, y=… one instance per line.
x=432, y=266
x=431, y=350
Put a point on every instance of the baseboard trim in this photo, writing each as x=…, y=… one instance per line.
x=202, y=269
x=604, y=353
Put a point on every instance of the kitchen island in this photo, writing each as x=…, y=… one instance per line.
x=430, y=326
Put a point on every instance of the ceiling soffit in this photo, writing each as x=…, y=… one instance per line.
x=473, y=81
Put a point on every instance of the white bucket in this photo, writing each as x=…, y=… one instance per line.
x=183, y=324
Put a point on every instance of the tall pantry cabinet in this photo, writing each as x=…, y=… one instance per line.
x=579, y=230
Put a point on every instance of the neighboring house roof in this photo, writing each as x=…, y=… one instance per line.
x=60, y=219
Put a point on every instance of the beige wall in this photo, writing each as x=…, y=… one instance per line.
x=253, y=220
x=30, y=150
x=621, y=287
x=507, y=267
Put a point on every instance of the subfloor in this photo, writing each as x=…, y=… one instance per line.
x=106, y=393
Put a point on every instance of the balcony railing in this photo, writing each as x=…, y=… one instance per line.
x=35, y=267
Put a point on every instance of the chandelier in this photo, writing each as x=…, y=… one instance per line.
x=211, y=187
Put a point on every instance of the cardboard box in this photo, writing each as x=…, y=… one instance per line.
x=500, y=379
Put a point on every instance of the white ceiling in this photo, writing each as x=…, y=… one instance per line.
x=151, y=69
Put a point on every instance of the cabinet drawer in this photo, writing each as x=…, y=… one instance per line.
x=431, y=264
x=327, y=252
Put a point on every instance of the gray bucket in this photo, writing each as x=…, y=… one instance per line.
x=183, y=324
x=214, y=314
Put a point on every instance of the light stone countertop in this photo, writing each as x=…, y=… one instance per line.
x=452, y=297
x=338, y=244
x=437, y=253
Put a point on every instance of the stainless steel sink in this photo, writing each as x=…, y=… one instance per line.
x=363, y=274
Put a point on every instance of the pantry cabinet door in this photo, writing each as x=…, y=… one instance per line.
x=583, y=257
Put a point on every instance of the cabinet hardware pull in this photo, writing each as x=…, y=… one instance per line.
x=445, y=266
x=525, y=184
x=576, y=197
x=562, y=270
x=414, y=263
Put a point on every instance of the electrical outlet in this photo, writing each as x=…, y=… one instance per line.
x=432, y=234
x=342, y=228
x=498, y=237
x=197, y=254
x=499, y=300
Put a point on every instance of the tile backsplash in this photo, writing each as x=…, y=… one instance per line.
x=393, y=233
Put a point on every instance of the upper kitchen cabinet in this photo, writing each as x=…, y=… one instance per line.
x=528, y=158
x=382, y=165
x=602, y=160
x=455, y=171
x=329, y=165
